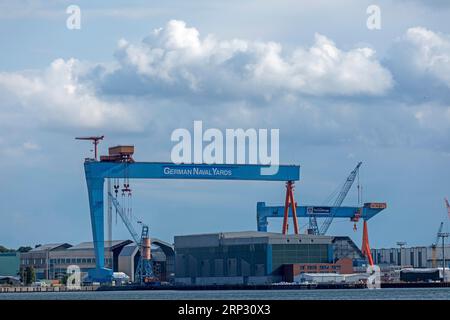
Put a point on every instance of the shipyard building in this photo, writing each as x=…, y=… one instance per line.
x=50, y=261
x=259, y=257
x=248, y=257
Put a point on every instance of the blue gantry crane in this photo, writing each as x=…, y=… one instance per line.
x=119, y=164
x=366, y=212
x=327, y=212
x=354, y=214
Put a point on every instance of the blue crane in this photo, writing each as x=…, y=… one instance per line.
x=366, y=212
x=342, y=194
x=144, y=270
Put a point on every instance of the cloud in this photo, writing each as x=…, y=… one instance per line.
x=56, y=97
x=176, y=59
x=431, y=54
x=175, y=76
x=420, y=64
x=432, y=3
x=26, y=148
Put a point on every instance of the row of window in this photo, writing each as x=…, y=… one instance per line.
x=321, y=267
x=63, y=261
x=379, y=258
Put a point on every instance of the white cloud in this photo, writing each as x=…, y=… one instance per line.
x=178, y=58
x=177, y=69
x=28, y=145
x=57, y=97
x=431, y=53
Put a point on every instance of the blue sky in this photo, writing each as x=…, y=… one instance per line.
x=339, y=93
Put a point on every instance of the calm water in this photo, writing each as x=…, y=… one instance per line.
x=347, y=294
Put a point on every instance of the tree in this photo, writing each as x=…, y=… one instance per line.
x=30, y=275
x=64, y=279
x=4, y=249
x=24, y=249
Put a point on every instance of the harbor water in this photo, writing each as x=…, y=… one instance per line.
x=333, y=294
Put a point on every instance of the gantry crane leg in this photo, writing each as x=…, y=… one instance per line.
x=289, y=201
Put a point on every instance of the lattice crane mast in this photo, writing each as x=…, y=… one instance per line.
x=434, y=246
x=144, y=270
x=337, y=203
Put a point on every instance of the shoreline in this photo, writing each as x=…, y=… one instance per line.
x=222, y=287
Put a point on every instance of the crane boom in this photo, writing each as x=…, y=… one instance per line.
x=437, y=234
x=340, y=198
x=125, y=219
x=95, y=141
x=448, y=207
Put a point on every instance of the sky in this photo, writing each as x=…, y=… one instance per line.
x=338, y=92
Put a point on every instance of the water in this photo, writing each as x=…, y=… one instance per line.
x=335, y=294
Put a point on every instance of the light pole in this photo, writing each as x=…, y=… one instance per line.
x=443, y=235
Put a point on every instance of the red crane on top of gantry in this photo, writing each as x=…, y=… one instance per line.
x=95, y=141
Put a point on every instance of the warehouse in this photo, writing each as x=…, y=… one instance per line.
x=416, y=257
x=9, y=264
x=50, y=261
x=251, y=257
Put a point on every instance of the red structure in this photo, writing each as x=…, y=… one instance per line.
x=95, y=142
x=290, y=202
x=365, y=248
x=342, y=266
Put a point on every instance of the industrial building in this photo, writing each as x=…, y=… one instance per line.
x=252, y=257
x=415, y=257
x=39, y=258
x=50, y=261
x=9, y=264
x=163, y=262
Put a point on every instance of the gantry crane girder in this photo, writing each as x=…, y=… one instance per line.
x=368, y=211
x=97, y=171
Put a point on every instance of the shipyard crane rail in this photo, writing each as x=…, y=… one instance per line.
x=342, y=194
